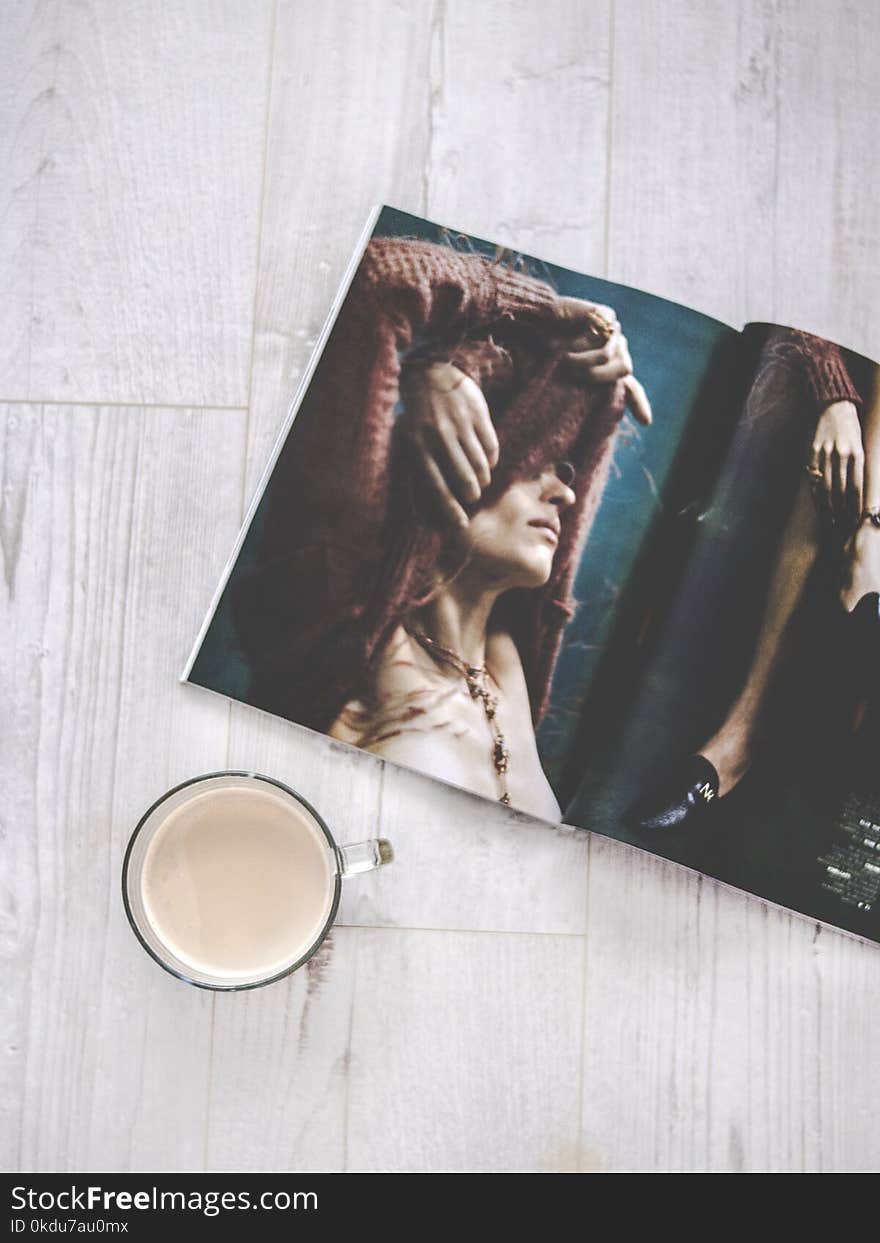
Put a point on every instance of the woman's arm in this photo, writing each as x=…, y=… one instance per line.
x=408, y=290
x=402, y=290
x=864, y=550
x=449, y=418
x=836, y=454
x=425, y=288
x=824, y=370
x=333, y=470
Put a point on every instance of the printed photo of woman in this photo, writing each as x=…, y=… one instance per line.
x=829, y=467
x=414, y=564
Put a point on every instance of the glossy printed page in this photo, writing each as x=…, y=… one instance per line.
x=488, y=449
x=747, y=744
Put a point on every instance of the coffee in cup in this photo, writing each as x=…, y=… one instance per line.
x=233, y=880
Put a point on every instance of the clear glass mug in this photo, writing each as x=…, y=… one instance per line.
x=232, y=880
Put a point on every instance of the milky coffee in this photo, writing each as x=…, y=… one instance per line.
x=238, y=882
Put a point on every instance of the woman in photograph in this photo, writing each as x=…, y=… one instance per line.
x=836, y=507
x=424, y=520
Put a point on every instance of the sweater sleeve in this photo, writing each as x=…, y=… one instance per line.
x=319, y=530
x=824, y=371
x=329, y=486
x=402, y=290
x=426, y=288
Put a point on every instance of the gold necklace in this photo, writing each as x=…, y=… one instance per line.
x=475, y=677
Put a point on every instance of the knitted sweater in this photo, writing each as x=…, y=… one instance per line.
x=341, y=552
x=809, y=366
x=341, y=544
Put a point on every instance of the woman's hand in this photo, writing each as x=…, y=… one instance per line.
x=597, y=351
x=451, y=427
x=838, y=458
x=450, y=422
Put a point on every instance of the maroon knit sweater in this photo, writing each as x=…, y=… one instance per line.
x=346, y=530
x=346, y=535
x=814, y=367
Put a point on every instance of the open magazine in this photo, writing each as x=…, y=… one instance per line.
x=584, y=551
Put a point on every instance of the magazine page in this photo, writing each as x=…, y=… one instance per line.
x=487, y=446
x=748, y=745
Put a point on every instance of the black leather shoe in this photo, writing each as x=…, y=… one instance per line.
x=866, y=615
x=685, y=798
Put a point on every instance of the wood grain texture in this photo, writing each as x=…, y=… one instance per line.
x=465, y=1051
x=743, y=128
x=279, y=1071
x=471, y=865
x=827, y=268
x=693, y=154
x=114, y=523
x=742, y=170
x=133, y=143
x=722, y=1034
x=347, y=130
x=494, y=999
x=518, y=126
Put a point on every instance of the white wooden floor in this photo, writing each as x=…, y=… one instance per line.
x=183, y=181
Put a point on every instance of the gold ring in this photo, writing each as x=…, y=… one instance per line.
x=602, y=327
x=815, y=473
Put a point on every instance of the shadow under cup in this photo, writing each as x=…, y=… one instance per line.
x=232, y=880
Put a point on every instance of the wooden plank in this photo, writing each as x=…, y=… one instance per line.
x=24, y=491
x=134, y=141
x=844, y=1010
x=21, y=158
x=465, y=1052
x=519, y=126
x=347, y=130
x=279, y=1068
x=827, y=262
x=692, y=163
x=150, y=1065
x=723, y=1034
x=114, y=526
x=461, y=862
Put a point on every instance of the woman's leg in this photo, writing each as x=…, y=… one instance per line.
x=730, y=749
x=864, y=573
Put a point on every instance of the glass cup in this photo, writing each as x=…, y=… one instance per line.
x=232, y=880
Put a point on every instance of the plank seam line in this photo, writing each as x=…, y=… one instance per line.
x=261, y=208
x=479, y=932
x=120, y=405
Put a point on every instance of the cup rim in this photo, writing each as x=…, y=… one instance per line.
x=337, y=880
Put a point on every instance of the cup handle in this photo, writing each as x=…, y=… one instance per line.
x=364, y=856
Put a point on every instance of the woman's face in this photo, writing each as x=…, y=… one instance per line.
x=513, y=541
